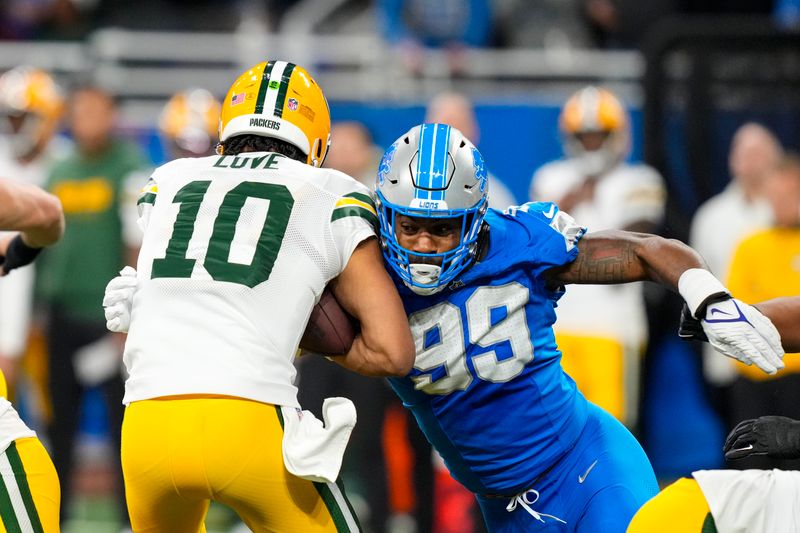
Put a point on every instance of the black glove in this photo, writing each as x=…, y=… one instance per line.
x=18, y=254
x=775, y=436
x=690, y=328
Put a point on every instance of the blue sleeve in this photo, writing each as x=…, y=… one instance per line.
x=552, y=235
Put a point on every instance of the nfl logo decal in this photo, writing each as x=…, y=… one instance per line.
x=292, y=104
x=237, y=99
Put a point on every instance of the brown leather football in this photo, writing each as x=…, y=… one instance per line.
x=330, y=328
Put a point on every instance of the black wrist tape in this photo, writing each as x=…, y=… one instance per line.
x=19, y=254
x=711, y=299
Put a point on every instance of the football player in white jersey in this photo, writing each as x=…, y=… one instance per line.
x=602, y=328
x=31, y=106
x=30, y=494
x=237, y=249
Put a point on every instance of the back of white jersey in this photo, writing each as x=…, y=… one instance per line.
x=236, y=251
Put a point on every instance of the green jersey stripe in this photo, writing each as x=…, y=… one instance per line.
x=340, y=484
x=24, y=490
x=262, y=89
x=362, y=197
x=287, y=74
x=7, y=513
x=338, y=506
x=709, y=526
x=354, y=211
x=147, y=198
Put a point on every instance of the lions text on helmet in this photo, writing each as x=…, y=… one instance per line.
x=432, y=190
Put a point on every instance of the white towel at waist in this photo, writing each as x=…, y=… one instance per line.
x=313, y=451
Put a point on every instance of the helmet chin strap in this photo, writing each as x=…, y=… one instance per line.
x=424, y=274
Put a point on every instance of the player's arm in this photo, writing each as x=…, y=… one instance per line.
x=734, y=328
x=614, y=256
x=38, y=217
x=785, y=314
x=35, y=213
x=384, y=346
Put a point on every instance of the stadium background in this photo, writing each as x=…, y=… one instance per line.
x=689, y=80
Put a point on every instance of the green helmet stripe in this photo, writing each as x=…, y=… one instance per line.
x=281, y=99
x=262, y=89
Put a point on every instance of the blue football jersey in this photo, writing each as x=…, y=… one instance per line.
x=487, y=387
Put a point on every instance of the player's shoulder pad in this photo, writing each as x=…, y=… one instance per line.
x=542, y=218
x=354, y=199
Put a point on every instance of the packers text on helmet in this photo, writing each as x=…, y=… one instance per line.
x=280, y=100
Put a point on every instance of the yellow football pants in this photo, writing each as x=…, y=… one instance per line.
x=29, y=491
x=180, y=453
x=604, y=376
x=679, y=508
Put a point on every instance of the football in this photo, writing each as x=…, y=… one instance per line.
x=330, y=328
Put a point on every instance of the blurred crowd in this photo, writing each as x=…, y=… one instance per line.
x=408, y=24
x=55, y=349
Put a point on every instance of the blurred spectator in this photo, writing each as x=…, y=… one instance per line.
x=37, y=19
x=548, y=24
x=722, y=221
x=188, y=124
x=624, y=23
x=355, y=154
x=787, y=14
x=766, y=265
x=602, y=329
x=451, y=25
x=73, y=275
x=31, y=106
x=456, y=110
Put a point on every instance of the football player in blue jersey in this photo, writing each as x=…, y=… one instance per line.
x=487, y=388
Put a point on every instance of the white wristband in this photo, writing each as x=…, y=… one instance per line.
x=696, y=285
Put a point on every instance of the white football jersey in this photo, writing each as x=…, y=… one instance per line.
x=626, y=194
x=11, y=425
x=236, y=252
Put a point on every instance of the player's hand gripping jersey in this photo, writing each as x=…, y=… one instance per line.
x=236, y=251
x=487, y=387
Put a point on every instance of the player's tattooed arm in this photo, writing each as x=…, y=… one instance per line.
x=613, y=256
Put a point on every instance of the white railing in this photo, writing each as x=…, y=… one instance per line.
x=145, y=68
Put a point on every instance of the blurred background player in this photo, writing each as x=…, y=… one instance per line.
x=766, y=265
x=29, y=488
x=720, y=224
x=602, y=329
x=456, y=110
x=225, y=394
x=188, y=124
x=31, y=106
x=90, y=182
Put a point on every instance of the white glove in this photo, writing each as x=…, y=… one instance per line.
x=733, y=328
x=739, y=330
x=118, y=300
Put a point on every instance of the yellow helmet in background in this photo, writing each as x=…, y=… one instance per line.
x=280, y=100
x=595, y=129
x=32, y=105
x=189, y=120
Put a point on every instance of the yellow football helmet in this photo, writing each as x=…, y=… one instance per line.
x=31, y=104
x=280, y=100
x=595, y=130
x=189, y=120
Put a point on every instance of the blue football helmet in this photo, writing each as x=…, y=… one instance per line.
x=432, y=171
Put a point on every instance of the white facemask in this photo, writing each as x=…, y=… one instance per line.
x=424, y=274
